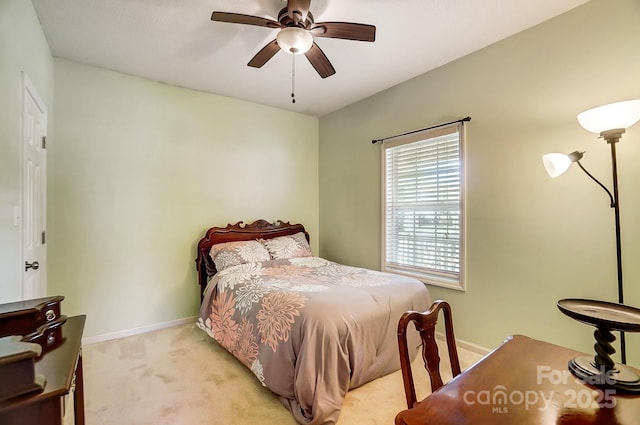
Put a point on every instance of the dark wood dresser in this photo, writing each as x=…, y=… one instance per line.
x=62, y=368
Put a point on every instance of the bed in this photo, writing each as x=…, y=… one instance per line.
x=308, y=328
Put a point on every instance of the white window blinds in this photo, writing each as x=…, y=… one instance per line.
x=423, y=192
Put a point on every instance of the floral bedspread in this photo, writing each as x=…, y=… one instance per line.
x=310, y=329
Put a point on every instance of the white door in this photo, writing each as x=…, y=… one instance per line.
x=34, y=183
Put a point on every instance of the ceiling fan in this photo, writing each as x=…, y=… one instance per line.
x=297, y=32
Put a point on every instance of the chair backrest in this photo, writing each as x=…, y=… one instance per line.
x=425, y=324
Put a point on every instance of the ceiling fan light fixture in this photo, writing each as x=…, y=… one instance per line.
x=294, y=40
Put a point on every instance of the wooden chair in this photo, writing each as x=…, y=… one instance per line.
x=426, y=325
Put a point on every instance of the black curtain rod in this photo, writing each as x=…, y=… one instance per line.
x=374, y=141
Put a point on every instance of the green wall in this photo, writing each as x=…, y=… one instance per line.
x=23, y=47
x=142, y=169
x=531, y=240
x=138, y=170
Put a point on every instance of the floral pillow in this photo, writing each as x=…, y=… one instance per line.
x=285, y=247
x=225, y=255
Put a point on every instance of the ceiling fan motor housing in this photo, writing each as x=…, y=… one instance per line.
x=284, y=19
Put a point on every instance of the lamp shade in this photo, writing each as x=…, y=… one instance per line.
x=556, y=163
x=294, y=40
x=611, y=116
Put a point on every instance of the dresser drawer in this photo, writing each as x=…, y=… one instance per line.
x=24, y=317
x=48, y=336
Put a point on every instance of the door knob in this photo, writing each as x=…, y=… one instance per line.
x=27, y=265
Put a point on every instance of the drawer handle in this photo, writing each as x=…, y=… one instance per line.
x=51, y=338
x=50, y=315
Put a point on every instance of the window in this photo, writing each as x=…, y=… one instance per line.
x=423, y=209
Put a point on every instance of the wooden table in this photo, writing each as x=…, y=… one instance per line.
x=62, y=367
x=524, y=381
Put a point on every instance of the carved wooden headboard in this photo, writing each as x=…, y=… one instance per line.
x=259, y=229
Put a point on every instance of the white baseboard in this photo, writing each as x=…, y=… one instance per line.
x=136, y=331
x=474, y=348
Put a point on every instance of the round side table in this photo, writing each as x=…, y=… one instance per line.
x=601, y=370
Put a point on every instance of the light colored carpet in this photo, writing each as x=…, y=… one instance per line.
x=180, y=376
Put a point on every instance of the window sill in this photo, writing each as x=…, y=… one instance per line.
x=427, y=279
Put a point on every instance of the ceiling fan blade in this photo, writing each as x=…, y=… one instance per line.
x=320, y=61
x=344, y=30
x=266, y=53
x=297, y=10
x=238, y=18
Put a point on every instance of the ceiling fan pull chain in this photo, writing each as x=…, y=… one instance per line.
x=293, y=78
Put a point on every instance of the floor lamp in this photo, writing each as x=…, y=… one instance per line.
x=610, y=122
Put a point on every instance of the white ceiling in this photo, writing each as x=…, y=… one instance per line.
x=175, y=42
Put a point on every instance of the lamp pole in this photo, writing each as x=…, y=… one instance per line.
x=610, y=122
x=612, y=137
